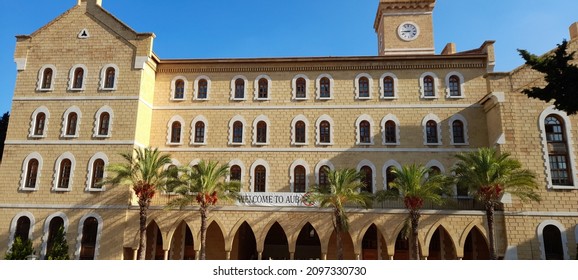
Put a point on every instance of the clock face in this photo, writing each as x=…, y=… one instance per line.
x=408, y=31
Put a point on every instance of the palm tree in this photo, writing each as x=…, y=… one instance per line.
x=416, y=184
x=203, y=184
x=343, y=187
x=145, y=172
x=488, y=175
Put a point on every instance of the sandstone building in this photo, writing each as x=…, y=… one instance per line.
x=89, y=88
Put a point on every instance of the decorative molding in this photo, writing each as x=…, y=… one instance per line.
x=294, y=106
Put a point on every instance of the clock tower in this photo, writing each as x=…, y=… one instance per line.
x=405, y=27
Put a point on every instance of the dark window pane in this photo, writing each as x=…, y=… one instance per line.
x=299, y=179
x=260, y=178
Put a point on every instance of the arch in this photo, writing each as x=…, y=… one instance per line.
x=391, y=92
x=303, y=163
x=542, y=242
x=198, y=94
x=381, y=245
x=46, y=231
x=281, y=243
x=105, y=77
x=369, y=164
x=242, y=91
x=182, y=241
x=438, y=132
x=269, y=87
x=79, y=237
x=461, y=90
x=241, y=165
x=13, y=225
x=61, y=174
x=295, y=90
x=318, y=91
x=70, y=127
x=100, y=127
x=256, y=131
x=363, y=93
x=360, y=133
x=435, y=163
x=319, y=137
x=321, y=163
x=307, y=235
x=214, y=234
x=170, y=140
x=39, y=127
x=466, y=140
x=232, y=139
x=264, y=163
x=474, y=231
x=92, y=171
x=384, y=172
x=46, y=78
x=196, y=130
x=423, y=85
x=77, y=77
x=27, y=174
x=294, y=131
x=245, y=249
x=430, y=234
x=179, y=91
x=384, y=133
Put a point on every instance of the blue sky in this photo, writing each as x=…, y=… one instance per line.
x=275, y=28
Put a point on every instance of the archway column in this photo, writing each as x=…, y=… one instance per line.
x=166, y=255
x=134, y=254
x=291, y=255
x=228, y=255
x=260, y=255
x=197, y=255
x=324, y=256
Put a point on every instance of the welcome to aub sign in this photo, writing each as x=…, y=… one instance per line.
x=274, y=199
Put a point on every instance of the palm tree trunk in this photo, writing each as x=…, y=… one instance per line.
x=203, y=211
x=142, y=248
x=414, y=241
x=337, y=228
x=490, y=218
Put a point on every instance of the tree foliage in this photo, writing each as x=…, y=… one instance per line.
x=561, y=77
x=3, y=129
x=20, y=249
x=59, y=249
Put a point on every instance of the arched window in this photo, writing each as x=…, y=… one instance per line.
x=434, y=170
x=388, y=87
x=324, y=88
x=179, y=89
x=22, y=228
x=200, y=132
x=239, y=88
x=454, y=86
x=299, y=179
x=300, y=132
x=553, y=243
x=176, y=132
x=71, y=123
x=103, y=124
x=390, y=132
x=31, y=174
x=238, y=132
x=47, y=78
x=97, y=174
x=235, y=173
x=560, y=165
x=428, y=86
x=458, y=132
x=389, y=176
x=324, y=132
x=431, y=132
x=260, y=179
x=364, y=132
x=367, y=179
x=39, y=124
x=203, y=89
x=88, y=242
x=110, y=76
x=64, y=174
x=55, y=224
x=263, y=89
x=323, y=176
x=363, y=87
x=261, y=132
x=78, y=78
x=301, y=88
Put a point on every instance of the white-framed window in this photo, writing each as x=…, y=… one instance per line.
x=388, y=86
x=428, y=85
x=435, y=166
x=39, y=122
x=237, y=127
x=364, y=126
x=387, y=172
x=324, y=87
x=103, y=122
x=64, y=173
x=77, y=77
x=553, y=240
x=263, y=85
x=31, y=172
x=22, y=225
x=458, y=130
x=300, y=131
x=557, y=149
x=179, y=88
x=88, y=238
x=96, y=172
x=71, y=122
x=432, y=132
x=200, y=129
x=236, y=171
x=175, y=128
x=51, y=225
x=261, y=130
x=299, y=176
x=109, y=77
x=363, y=86
x=455, y=85
x=390, y=130
x=239, y=85
x=321, y=171
x=202, y=88
x=324, y=135
x=46, y=78
x=260, y=176
x=368, y=169
x=300, y=87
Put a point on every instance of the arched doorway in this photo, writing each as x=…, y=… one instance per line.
x=553, y=243
x=244, y=244
x=348, y=252
x=276, y=246
x=373, y=245
x=154, y=247
x=441, y=246
x=308, y=246
x=182, y=245
x=215, y=243
x=476, y=247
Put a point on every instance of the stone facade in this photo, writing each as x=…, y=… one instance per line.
x=142, y=96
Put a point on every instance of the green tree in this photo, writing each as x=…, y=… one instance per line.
x=416, y=184
x=20, y=249
x=488, y=175
x=145, y=172
x=3, y=129
x=204, y=184
x=59, y=248
x=561, y=77
x=343, y=188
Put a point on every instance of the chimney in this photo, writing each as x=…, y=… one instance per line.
x=574, y=31
x=449, y=49
x=91, y=2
